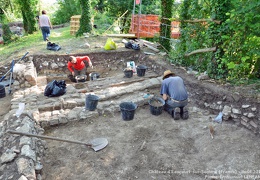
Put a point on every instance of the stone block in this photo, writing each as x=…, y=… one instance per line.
x=44, y=123
x=71, y=103
x=57, y=105
x=56, y=112
x=245, y=106
x=245, y=119
x=7, y=157
x=28, y=152
x=45, y=107
x=54, y=121
x=245, y=124
x=63, y=119
x=24, y=167
x=41, y=81
x=73, y=116
x=252, y=123
x=250, y=115
x=236, y=111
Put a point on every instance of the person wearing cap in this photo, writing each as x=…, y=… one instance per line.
x=77, y=66
x=174, y=93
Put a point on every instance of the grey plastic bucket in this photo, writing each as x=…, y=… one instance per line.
x=2, y=91
x=156, y=105
x=128, y=73
x=140, y=69
x=128, y=110
x=94, y=76
x=91, y=102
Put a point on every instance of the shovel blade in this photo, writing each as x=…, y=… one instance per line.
x=98, y=143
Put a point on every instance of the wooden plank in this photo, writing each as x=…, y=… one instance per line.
x=122, y=35
x=149, y=53
x=151, y=47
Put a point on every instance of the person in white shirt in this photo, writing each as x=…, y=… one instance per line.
x=45, y=25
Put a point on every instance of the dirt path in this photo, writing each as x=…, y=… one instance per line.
x=153, y=147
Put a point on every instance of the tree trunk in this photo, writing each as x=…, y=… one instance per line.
x=165, y=27
x=85, y=20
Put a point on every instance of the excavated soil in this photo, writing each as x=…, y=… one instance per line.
x=153, y=147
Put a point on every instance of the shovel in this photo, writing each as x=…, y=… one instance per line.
x=96, y=144
x=11, y=76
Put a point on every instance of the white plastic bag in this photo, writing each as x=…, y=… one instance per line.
x=20, y=109
x=218, y=119
x=131, y=65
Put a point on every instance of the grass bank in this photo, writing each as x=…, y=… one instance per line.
x=21, y=44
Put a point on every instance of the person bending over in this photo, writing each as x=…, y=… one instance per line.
x=77, y=66
x=174, y=93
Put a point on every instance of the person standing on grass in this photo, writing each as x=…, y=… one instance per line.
x=45, y=25
x=174, y=93
x=77, y=66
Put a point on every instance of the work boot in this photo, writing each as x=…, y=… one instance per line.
x=176, y=114
x=184, y=113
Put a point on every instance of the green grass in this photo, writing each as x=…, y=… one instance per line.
x=32, y=40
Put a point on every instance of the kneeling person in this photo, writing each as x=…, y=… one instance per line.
x=77, y=67
x=174, y=93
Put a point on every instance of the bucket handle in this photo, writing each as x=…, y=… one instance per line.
x=157, y=97
x=135, y=104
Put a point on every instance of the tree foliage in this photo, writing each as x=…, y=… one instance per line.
x=3, y=20
x=29, y=11
x=67, y=8
x=236, y=37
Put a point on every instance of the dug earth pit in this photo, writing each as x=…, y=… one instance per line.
x=148, y=147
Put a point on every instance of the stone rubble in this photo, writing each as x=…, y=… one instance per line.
x=21, y=156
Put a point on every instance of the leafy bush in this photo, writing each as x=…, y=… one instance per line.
x=233, y=30
x=67, y=8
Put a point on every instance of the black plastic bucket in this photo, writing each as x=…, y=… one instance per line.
x=91, y=102
x=128, y=110
x=128, y=73
x=156, y=105
x=2, y=91
x=140, y=69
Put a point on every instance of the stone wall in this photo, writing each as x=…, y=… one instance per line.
x=26, y=71
x=21, y=156
x=105, y=60
x=236, y=107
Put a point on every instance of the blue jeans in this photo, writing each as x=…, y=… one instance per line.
x=171, y=105
x=45, y=32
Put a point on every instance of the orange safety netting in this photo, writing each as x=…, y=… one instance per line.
x=149, y=26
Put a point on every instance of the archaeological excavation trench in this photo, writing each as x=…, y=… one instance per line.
x=147, y=147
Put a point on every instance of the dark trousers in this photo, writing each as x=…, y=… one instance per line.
x=45, y=32
x=170, y=105
x=81, y=72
